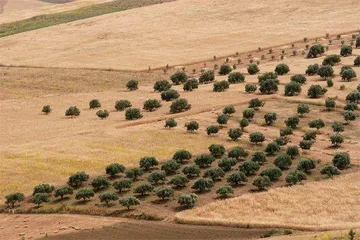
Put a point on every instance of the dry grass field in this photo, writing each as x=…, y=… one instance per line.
x=195, y=31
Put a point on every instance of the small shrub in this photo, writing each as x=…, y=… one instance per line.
x=282, y=69
x=133, y=114
x=236, y=77
x=72, y=112
x=132, y=85
x=162, y=85
x=179, y=105
x=46, y=109
x=179, y=78
x=121, y=105
x=102, y=114
x=283, y=161
x=192, y=126
x=262, y=182
x=170, y=123
x=94, y=104
x=169, y=95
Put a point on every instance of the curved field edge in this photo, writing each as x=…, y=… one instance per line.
x=48, y=20
x=318, y=206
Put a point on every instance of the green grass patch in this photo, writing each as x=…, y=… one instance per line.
x=48, y=20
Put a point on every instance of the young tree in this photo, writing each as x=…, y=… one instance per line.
x=12, y=198
x=357, y=61
x=164, y=192
x=283, y=161
x=312, y=69
x=63, y=191
x=292, y=89
x=316, y=91
x=248, y=114
x=102, y=114
x=179, y=105
x=214, y=174
x=181, y=155
x=204, y=160
x=134, y=173
x=121, y=105
x=156, y=177
x=222, y=119
x=95, y=103
x=148, y=162
x=317, y=123
x=224, y=191
x=299, y=78
x=256, y=137
x=236, y=77
x=274, y=173
x=250, y=88
x=191, y=170
x=306, y=165
x=77, y=179
x=292, y=151
x=46, y=109
x=282, y=69
x=330, y=171
x=234, y=133
x=100, y=183
x=244, y=122
x=341, y=160
x=40, y=198
x=133, y=114
x=253, y=69
x=229, y=110
x=125, y=183
x=170, y=95
x=179, y=78
x=192, y=126
x=187, y=200
x=180, y=180
x=225, y=69
x=256, y=103
x=114, y=169
x=292, y=122
x=132, y=85
x=170, y=123
x=170, y=166
x=270, y=118
x=217, y=150
x=262, y=182
x=84, y=194
x=43, y=188
x=221, y=86
x=302, y=109
x=249, y=167
x=162, y=85
x=72, y=112
x=129, y=202
x=237, y=153
x=207, y=77
x=236, y=178
x=144, y=188
x=203, y=184
x=190, y=85
x=108, y=197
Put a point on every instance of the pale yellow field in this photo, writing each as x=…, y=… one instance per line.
x=178, y=32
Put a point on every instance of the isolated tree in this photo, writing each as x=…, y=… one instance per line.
x=43, y=188
x=341, y=160
x=317, y=123
x=237, y=153
x=84, y=194
x=292, y=151
x=132, y=85
x=330, y=104
x=302, y=109
x=253, y=69
x=133, y=114
x=102, y=114
x=346, y=51
x=63, y=191
x=40, y=198
x=162, y=85
x=331, y=60
x=179, y=78
x=316, y=51
x=191, y=170
x=164, y=192
x=217, y=150
x=256, y=137
x=283, y=161
x=312, y=69
x=237, y=178
x=125, y=183
x=299, y=78
x=249, y=113
x=207, y=77
x=222, y=119
x=180, y=180
x=12, y=198
x=292, y=88
x=134, y=173
x=259, y=158
x=250, y=88
x=274, y=173
x=156, y=177
x=144, y=188
x=326, y=71
x=338, y=127
x=330, y=171
x=225, y=69
x=170, y=95
x=269, y=86
x=256, y=103
x=129, y=202
x=229, y=110
x=282, y=69
x=148, y=162
x=181, y=155
x=170, y=123
x=192, y=126
x=77, y=179
x=170, y=166
x=235, y=133
x=72, y=112
x=347, y=74
x=179, y=105
x=236, y=77
x=306, y=165
x=46, y=109
x=108, y=197
x=204, y=160
x=244, y=122
x=224, y=191
x=221, y=86
x=306, y=144
x=294, y=177
x=203, y=184
x=214, y=174
x=187, y=200
x=349, y=116
x=95, y=103
x=121, y=105
x=249, y=167
x=190, y=85
x=270, y=118
x=100, y=183
x=262, y=182
x=357, y=61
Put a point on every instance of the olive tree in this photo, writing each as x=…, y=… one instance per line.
x=224, y=191
x=237, y=153
x=270, y=118
x=262, y=182
x=341, y=160
x=148, y=162
x=214, y=174
x=100, y=183
x=306, y=165
x=302, y=109
x=249, y=167
x=114, y=169
x=132, y=85
x=256, y=137
x=121, y=105
x=181, y=155
x=191, y=170
x=164, y=192
x=180, y=180
x=274, y=173
x=236, y=77
x=133, y=114
x=162, y=85
x=330, y=171
x=179, y=105
x=143, y=189
x=292, y=88
x=169, y=95
x=129, y=202
x=283, y=161
x=187, y=200
x=192, y=126
x=170, y=123
x=108, y=197
x=272, y=148
x=204, y=160
x=63, y=191
x=179, y=78
x=282, y=69
x=77, y=179
x=84, y=194
x=95, y=103
x=125, y=183
x=203, y=184
x=234, y=133
x=12, y=198
x=217, y=150
x=237, y=178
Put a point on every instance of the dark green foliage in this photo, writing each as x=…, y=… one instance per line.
x=187, y=200
x=46, y=109
x=181, y=180
x=151, y=104
x=346, y=51
x=102, y=114
x=256, y=137
x=262, y=182
x=84, y=194
x=357, y=61
x=326, y=71
x=338, y=127
x=148, y=162
x=341, y=160
x=266, y=76
x=353, y=96
x=234, y=133
x=229, y=110
x=310, y=135
x=214, y=173
x=269, y=86
x=249, y=167
x=299, y=78
x=337, y=139
x=315, y=91
x=132, y=85
x=312, y=69
x=43, y=188
x=144, y=188
x=306, y=165
x=217, y=150
x=274, y=173
x=108, y=197
x=40, y=198
x=292, y=88
x=282, y=140
x=249, y=113
x=224, y=191
x=270, y=118
x=204, y=160
x=236, y=77
x=99, y=183
x=121, y=105
x=77, y=179
x=253, y=69
x=164, y=192
x=349, y=116
x=170, y=123
x=191, y=170
x=331, y=60
x=207, y=77
x=179, y=105
x=133, y=114
x=282, y=69
x=294, y=177
x=306, y=144
x=169, y=95
x=192, y=126
x=129, y=202
x=222, y=119
x=250, y=88
x=272, y=148
x=191, y=84
x=283, y=161
x=292, y=122
x=156, y=177
x=317, y=123
x=357, y=44
x=315, y=51
x=256, y=103
x=63, y=191
x=292, y=151
x=225, y=69
x=237, y=153
x=286, y=131
x=72, y=111
x=226, y=164
x=181, y=155
x=213, y=129
x=170, y=166
x=162, y=85
x=330, y=104
x=347, y=74
x=123, y=184
x=236, y=178
x=259, y=157
x=134, y=173
x=203, y=184
x=329, y=82
x=179, y=78
x=221, y=86
x=244, y=122
x=12, y=198
x=330, y=171
x=351, y=106
x=94, y=104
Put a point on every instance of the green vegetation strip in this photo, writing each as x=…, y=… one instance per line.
x=48, y=20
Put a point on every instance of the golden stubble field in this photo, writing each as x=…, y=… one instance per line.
x=195, y=30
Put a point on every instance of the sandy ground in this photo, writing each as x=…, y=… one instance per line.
x=195, y=30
